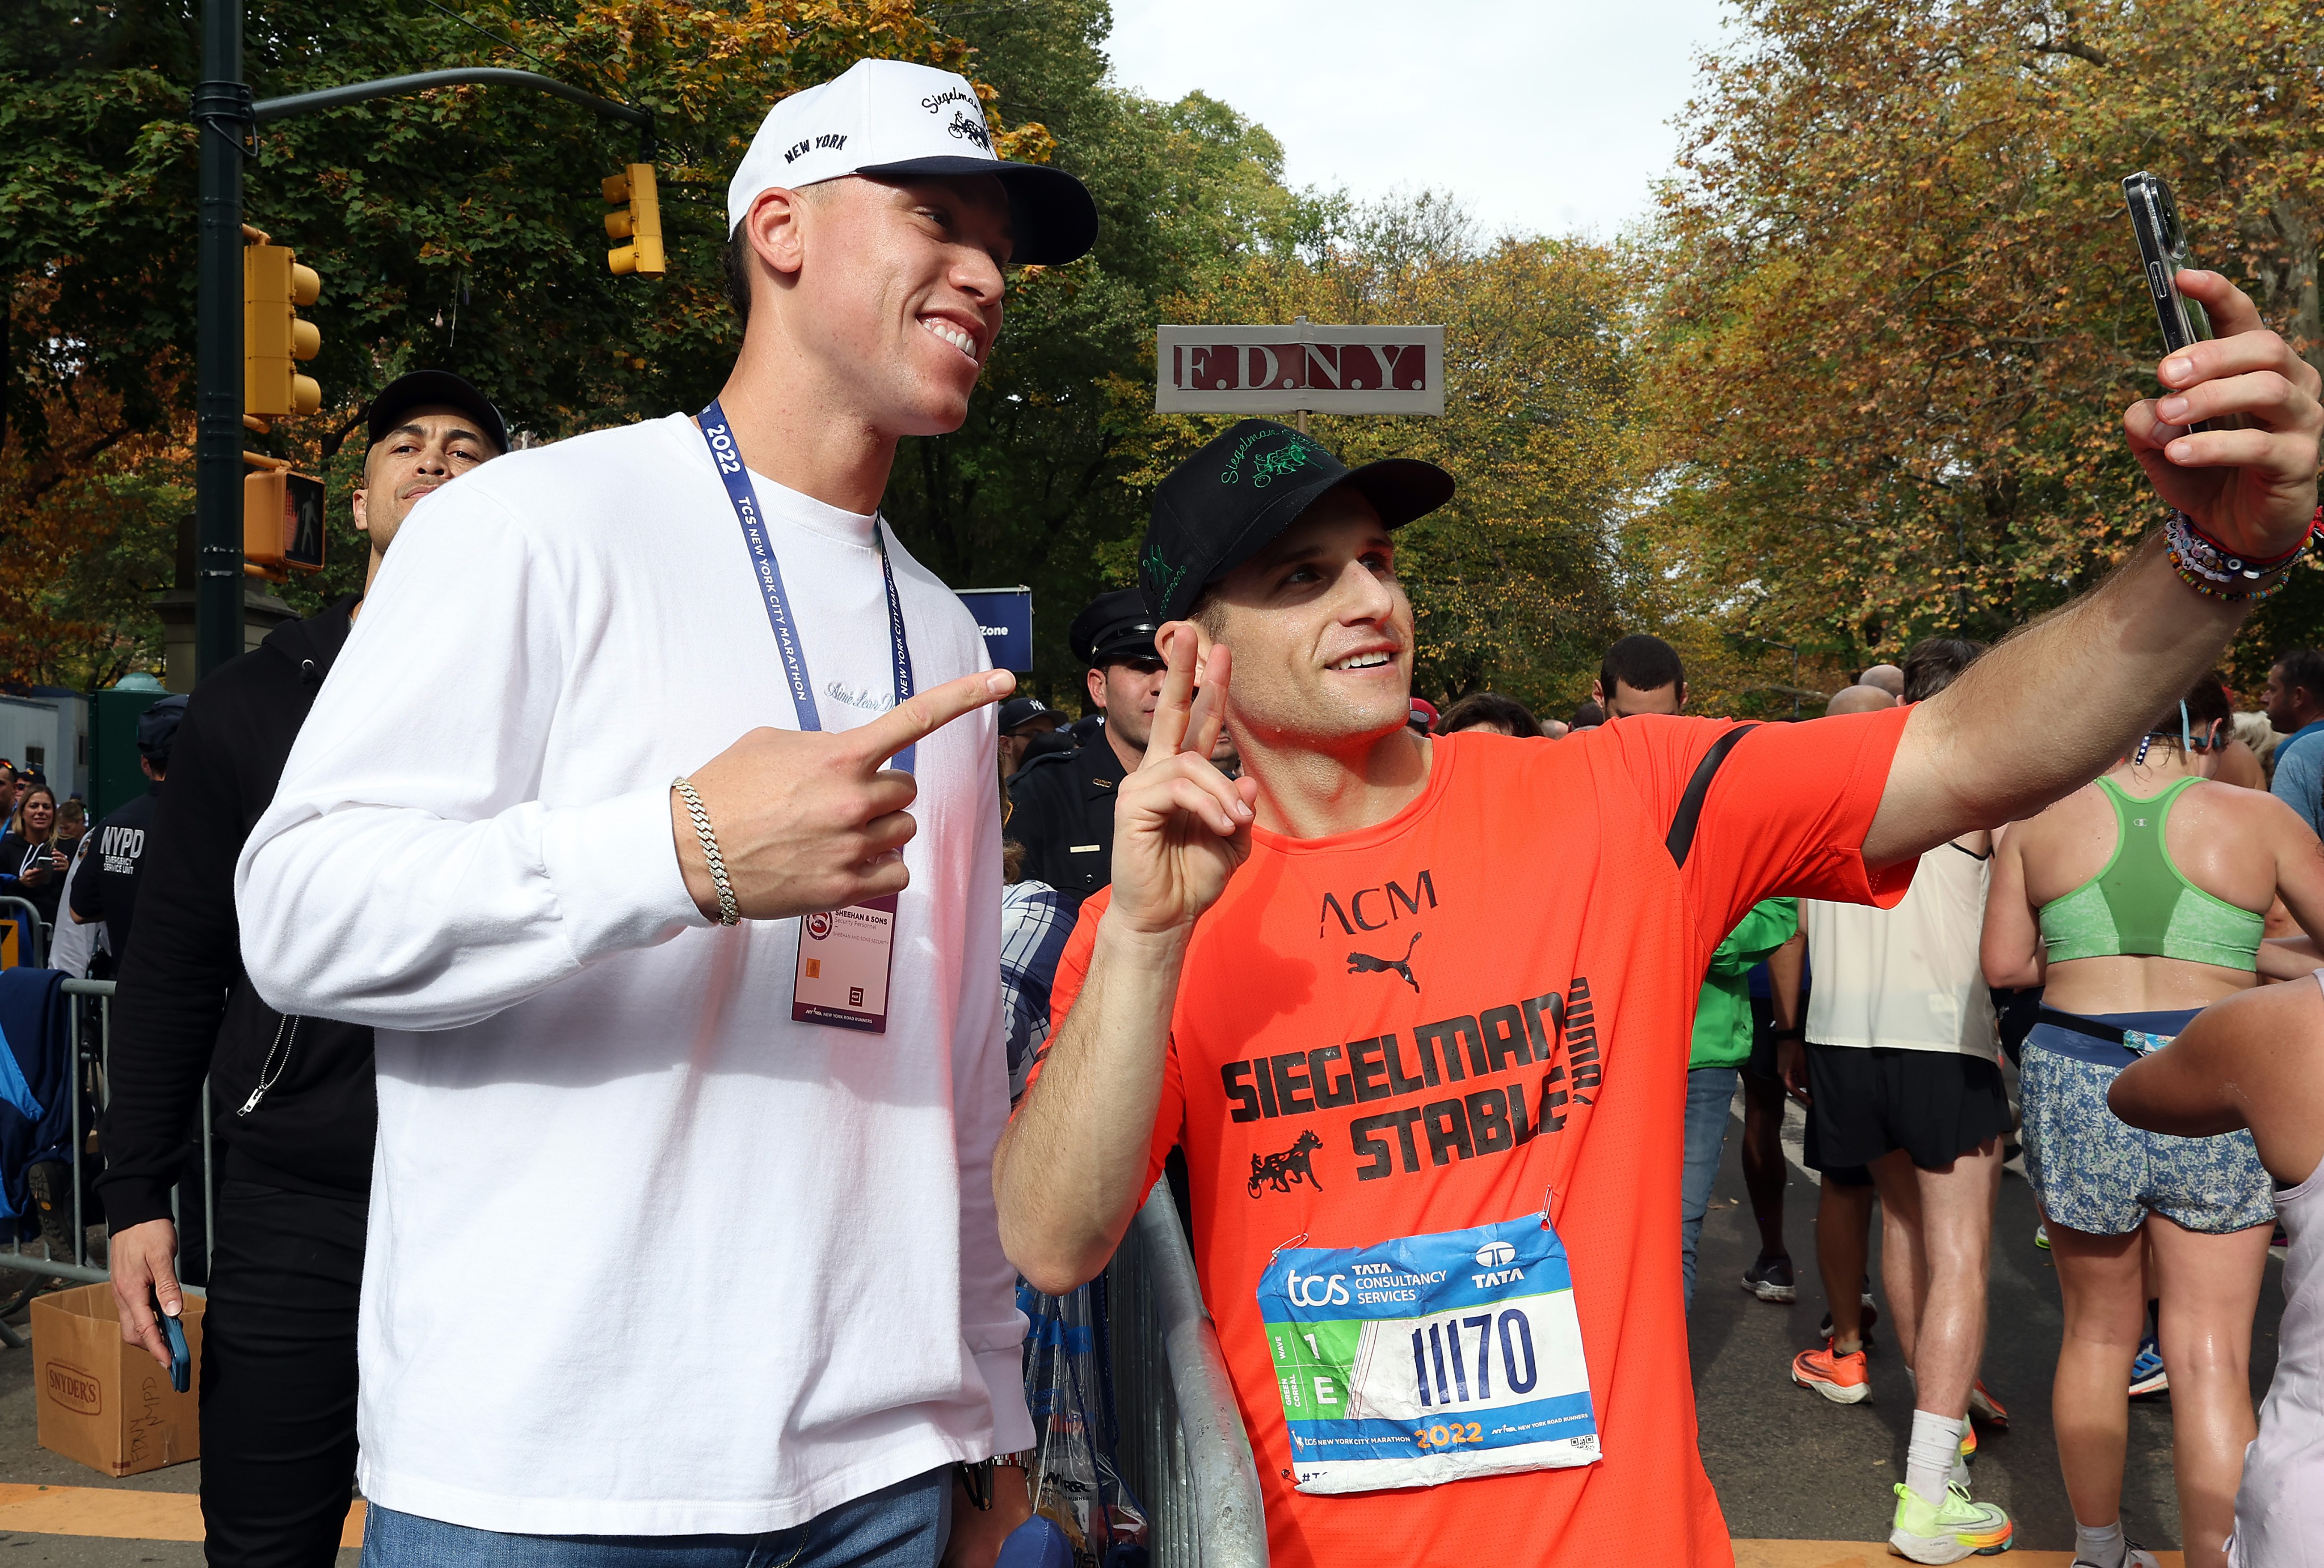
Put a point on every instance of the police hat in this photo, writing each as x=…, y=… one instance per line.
x=1115, y=627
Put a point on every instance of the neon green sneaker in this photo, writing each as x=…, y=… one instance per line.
x=1963, y=1528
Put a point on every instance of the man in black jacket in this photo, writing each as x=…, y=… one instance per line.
x=292, y=1101
x=105, y=889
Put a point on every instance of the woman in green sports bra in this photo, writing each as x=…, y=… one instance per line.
x=2135, y=902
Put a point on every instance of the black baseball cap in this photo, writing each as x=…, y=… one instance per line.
x=1225, y=503
x=1115, y=626
x=420, y=388
x=1020, y=711
x=157, y=727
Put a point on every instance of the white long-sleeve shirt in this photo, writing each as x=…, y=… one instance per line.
x=646, y=1257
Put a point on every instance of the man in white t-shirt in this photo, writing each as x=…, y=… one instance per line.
x=682, y=1238
x=1902, y=1062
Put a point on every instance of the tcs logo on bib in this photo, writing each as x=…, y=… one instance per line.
x=1316, y=1290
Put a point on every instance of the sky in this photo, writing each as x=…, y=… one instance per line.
x=1541, y=115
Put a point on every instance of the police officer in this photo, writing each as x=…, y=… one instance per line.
x=106, y=886
x=1063, y=813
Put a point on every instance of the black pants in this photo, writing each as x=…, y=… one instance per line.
x=278, y=1377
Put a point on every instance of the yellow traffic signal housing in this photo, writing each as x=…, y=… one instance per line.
x=638, y=222
x=282, y=520
x=273, y=286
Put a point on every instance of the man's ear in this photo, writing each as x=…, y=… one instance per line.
x=362, y=511
x=1681, y=697
x=1597, y=693
x=775, y=228
x=1095, y=680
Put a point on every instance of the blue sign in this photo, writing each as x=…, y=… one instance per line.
x=1005, y=617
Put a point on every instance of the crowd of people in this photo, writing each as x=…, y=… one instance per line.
x=647, y=1071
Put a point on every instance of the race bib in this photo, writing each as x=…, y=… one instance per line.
x=2141, y=1043
x=1429, y=1359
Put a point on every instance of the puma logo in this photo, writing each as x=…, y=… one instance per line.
x=1365, y=964
x=1293, y=1165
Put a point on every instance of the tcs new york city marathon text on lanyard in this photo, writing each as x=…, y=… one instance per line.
x=845, y=955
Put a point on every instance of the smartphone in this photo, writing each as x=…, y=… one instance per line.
x=182, y=1359
x=2162, y=251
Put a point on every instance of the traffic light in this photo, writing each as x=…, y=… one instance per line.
x=273, y=286
x=281, y=519
x=639, y=221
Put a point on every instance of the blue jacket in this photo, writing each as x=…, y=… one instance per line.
x=35, y=1104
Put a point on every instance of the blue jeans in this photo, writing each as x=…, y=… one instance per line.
x=1709, y=1101
x=900, y=1527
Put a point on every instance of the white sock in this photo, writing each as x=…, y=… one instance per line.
x=2103, y=1547
x=1928, y=1462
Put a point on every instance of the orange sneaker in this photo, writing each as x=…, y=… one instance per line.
x=1841, y=1378
x=1986, y=1407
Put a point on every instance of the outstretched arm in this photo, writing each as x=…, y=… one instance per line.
x=1071, y=1168
x=2090, y=678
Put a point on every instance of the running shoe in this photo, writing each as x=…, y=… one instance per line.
x=2146, y=1373
x=2134, y=1555
x=1869, y=1316
x=1959, y=1476
x=1770, y=1279
x=1986, y=1407
x=1962, y=1528
x=1842, y=1379
x=2041, y=1236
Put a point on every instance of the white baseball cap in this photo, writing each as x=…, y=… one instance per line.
x=890, y=116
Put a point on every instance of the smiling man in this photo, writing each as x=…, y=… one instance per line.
x=1418, y=1010
x=633, y=820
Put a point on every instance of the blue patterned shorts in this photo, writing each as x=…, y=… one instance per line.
x=2095, y=1173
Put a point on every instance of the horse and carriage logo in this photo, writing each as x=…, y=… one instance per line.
x=1296, y=1164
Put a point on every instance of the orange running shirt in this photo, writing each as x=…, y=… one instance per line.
x=1422, y=1025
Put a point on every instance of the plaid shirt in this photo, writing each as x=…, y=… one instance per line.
x=1035, y=922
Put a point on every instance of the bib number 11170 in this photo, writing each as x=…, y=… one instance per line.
x=1429, y=1359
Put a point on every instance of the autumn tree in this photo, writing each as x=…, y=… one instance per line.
x=1519, y=583
x=1896, y=311
x=458, y=228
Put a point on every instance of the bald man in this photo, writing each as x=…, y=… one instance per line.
x=1859, y=699
x=1887, y=677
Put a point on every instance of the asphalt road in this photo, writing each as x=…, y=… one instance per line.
x=1788, y=1463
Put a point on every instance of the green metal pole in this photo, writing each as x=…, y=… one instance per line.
x=222, y=111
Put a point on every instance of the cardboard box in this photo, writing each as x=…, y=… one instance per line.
x=106, y=1403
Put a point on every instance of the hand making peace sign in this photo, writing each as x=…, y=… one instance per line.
x=1180, y=827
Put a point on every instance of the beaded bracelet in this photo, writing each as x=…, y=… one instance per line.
x=2209, y=567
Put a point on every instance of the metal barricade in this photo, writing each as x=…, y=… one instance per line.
x=90, y=1040
x=34, y=951
x=1183, y=1449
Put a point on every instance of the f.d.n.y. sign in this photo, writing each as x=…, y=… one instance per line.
x=1275, y=370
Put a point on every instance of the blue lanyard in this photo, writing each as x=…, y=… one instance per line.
x=720, y=439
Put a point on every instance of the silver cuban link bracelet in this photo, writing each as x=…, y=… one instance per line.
x=729, y=912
